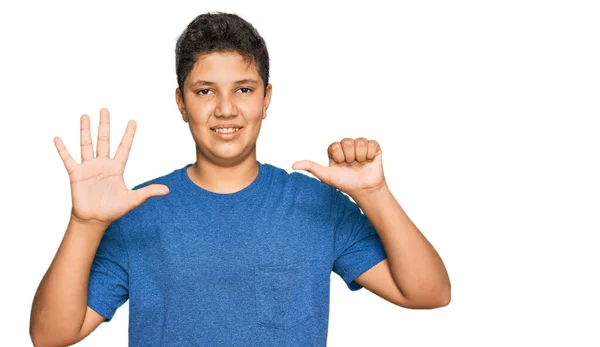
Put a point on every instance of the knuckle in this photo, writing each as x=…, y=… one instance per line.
x=123, y=145
x=361, y=141
x=347, y=141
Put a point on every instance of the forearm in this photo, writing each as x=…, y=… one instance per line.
x=60, y=302
x=416, y=267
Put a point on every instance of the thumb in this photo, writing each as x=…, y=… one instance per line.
x=150, y=191
x=319, y=171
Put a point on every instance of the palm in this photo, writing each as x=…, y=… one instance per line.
x=355, y=166
x=355, y=176
x=98, y=190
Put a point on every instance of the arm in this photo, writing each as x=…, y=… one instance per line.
x=412, y=264
x=413, y=275
x=59, y=314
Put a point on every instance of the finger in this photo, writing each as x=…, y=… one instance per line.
x=319, y=171
x=348, y=148
x=70, y=164
x=126, y=142
x=360, y=149
x=335, y=153
x=149, y=191
x=103, y=146
x=373, y=149
x=85, y=139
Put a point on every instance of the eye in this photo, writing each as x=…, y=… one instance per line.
x=248, y=89
x=202, y=91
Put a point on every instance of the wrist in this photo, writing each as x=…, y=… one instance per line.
x=370, y=193
x=87, y=223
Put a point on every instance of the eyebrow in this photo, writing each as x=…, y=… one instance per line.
x=209, y=83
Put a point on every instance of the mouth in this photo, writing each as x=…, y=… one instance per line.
x=226, y=132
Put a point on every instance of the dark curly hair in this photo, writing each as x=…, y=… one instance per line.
x=220, y=32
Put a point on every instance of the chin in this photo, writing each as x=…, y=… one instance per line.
x=228, y=156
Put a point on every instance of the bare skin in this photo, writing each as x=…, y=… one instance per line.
x=59, y=314
x=222, y=88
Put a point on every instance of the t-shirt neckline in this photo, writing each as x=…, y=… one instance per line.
x=244, y=193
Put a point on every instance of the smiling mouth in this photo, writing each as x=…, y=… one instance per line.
x=225, y=130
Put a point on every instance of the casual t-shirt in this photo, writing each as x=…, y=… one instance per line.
x=250, y=268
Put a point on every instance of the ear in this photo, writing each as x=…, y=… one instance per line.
x=180, y=104
x=267, y=100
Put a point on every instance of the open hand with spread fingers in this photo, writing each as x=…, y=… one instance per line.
x=98, y=191
x=355, y=166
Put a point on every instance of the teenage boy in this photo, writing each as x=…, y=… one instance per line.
x=227, y=251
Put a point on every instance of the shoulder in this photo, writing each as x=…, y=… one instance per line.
x=297, y=179
x=301, y=187
x=166, y=179
x=156, y=204
x=310, y=191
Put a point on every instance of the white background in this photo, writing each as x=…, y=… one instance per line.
x=487, y=114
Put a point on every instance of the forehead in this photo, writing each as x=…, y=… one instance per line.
x=223, y=68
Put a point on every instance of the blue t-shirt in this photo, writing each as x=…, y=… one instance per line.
x=251, y=268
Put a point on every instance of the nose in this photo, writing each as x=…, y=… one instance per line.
x=225, y=107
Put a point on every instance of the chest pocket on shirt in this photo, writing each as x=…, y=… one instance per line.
x=284, y=296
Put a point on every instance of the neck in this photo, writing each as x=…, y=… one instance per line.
x=223, y=179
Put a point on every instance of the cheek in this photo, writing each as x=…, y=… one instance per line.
x=254, y=113
x=198, y=114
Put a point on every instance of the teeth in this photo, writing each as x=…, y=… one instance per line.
x=226, y=130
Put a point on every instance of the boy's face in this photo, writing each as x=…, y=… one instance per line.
x=214, y=96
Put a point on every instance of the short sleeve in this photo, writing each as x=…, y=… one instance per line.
x=108, y=285
x=357, y=245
